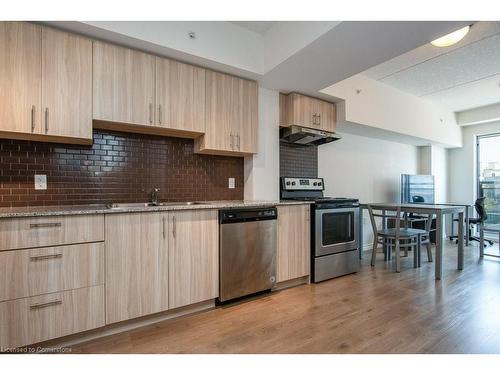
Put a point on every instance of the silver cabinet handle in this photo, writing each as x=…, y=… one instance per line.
x=46, y=257
x=159, y=114
x=33, y=109
x=232, y=142
x=238, y=138
x=45, y=225
x=174, y=229
x=163, y=222
x=319, y=119
x=150, y=113
x=46, y=304
x=46, y=120
x=314, y=119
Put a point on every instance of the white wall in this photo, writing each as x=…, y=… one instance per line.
x=462, y=163
x=366, y=168
x=369, y=102
x=262, y=170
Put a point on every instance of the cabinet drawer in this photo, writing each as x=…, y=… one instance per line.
x=26, y=273
x=30, y=320
x=20, y=233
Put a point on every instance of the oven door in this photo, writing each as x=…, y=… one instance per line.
x=336, y=230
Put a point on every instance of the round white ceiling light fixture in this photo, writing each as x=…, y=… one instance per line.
x=451, y=38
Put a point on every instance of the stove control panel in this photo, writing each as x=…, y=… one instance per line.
x=295, y=183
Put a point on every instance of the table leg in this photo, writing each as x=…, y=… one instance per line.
x=461, y=241
x=439, y=245
x=466, y=225
x=360, y=233
x=452, y=229
x=384, y=226
x=481, y=241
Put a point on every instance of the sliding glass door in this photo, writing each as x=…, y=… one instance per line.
x=488, y=174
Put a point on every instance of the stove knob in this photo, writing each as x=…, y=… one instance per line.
x=319, y=183
x=314, y=184
x=288, y=183
x=293, y=183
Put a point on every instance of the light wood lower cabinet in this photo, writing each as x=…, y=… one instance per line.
x=22, y=233
x=30, y=320
x=294, y=245
x=136, y=265
x=193, y=257
x=27, y=273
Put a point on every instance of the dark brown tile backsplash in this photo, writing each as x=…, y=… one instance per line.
x=298, y=160
x=118, y=167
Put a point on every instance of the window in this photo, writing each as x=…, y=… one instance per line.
x=488, y=174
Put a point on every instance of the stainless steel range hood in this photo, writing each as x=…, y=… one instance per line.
x=307, y=136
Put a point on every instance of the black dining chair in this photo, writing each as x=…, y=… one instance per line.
x=482, y=216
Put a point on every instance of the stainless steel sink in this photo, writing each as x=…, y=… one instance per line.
x=148, y=204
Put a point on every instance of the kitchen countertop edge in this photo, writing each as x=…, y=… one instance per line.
x=102, y=209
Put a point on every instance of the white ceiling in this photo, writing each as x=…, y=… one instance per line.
x=260, y=27
x=460, y=77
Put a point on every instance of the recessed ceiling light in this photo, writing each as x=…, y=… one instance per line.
x=451, y=38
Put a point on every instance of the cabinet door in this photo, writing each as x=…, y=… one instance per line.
x=66, y=84
x=20, y=78
x=301, y=110
x=180, y=96
x=327, y=116
x=218, y=115
x=248, y=117
x=123, y=84
x=193, y=257
x=294, y=246
x=136, y=265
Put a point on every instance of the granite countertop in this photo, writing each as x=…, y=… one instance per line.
x=104, y=209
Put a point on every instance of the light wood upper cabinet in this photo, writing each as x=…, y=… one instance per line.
x=124, y=84
x=231, y=116
x=193, y=257
x=45, y=84
x=180, y=96
x=309, y=112
x=136, y=265
x=67, y=84
x=248, y=121
x=20, y=79
x=294, y=246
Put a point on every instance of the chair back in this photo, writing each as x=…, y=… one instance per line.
x=481, y=212
x=418, y=199
x=384, y=215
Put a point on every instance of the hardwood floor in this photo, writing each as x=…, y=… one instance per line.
x=373, y=311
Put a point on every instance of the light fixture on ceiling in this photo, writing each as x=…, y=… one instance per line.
x=451, y=38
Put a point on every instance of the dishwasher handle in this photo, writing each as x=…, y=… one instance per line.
x=244, y=215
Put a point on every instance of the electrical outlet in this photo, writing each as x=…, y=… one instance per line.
x=40, y=182
x=231, y=183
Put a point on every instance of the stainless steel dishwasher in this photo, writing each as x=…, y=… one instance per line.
x=248, y=246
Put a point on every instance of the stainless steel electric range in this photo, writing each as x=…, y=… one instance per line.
x=334, y=227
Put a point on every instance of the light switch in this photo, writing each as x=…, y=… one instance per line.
x=231, y=183
x=40, y=182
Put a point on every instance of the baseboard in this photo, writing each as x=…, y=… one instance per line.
x=291, y=283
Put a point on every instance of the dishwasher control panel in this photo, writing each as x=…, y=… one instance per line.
x=247, y=214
